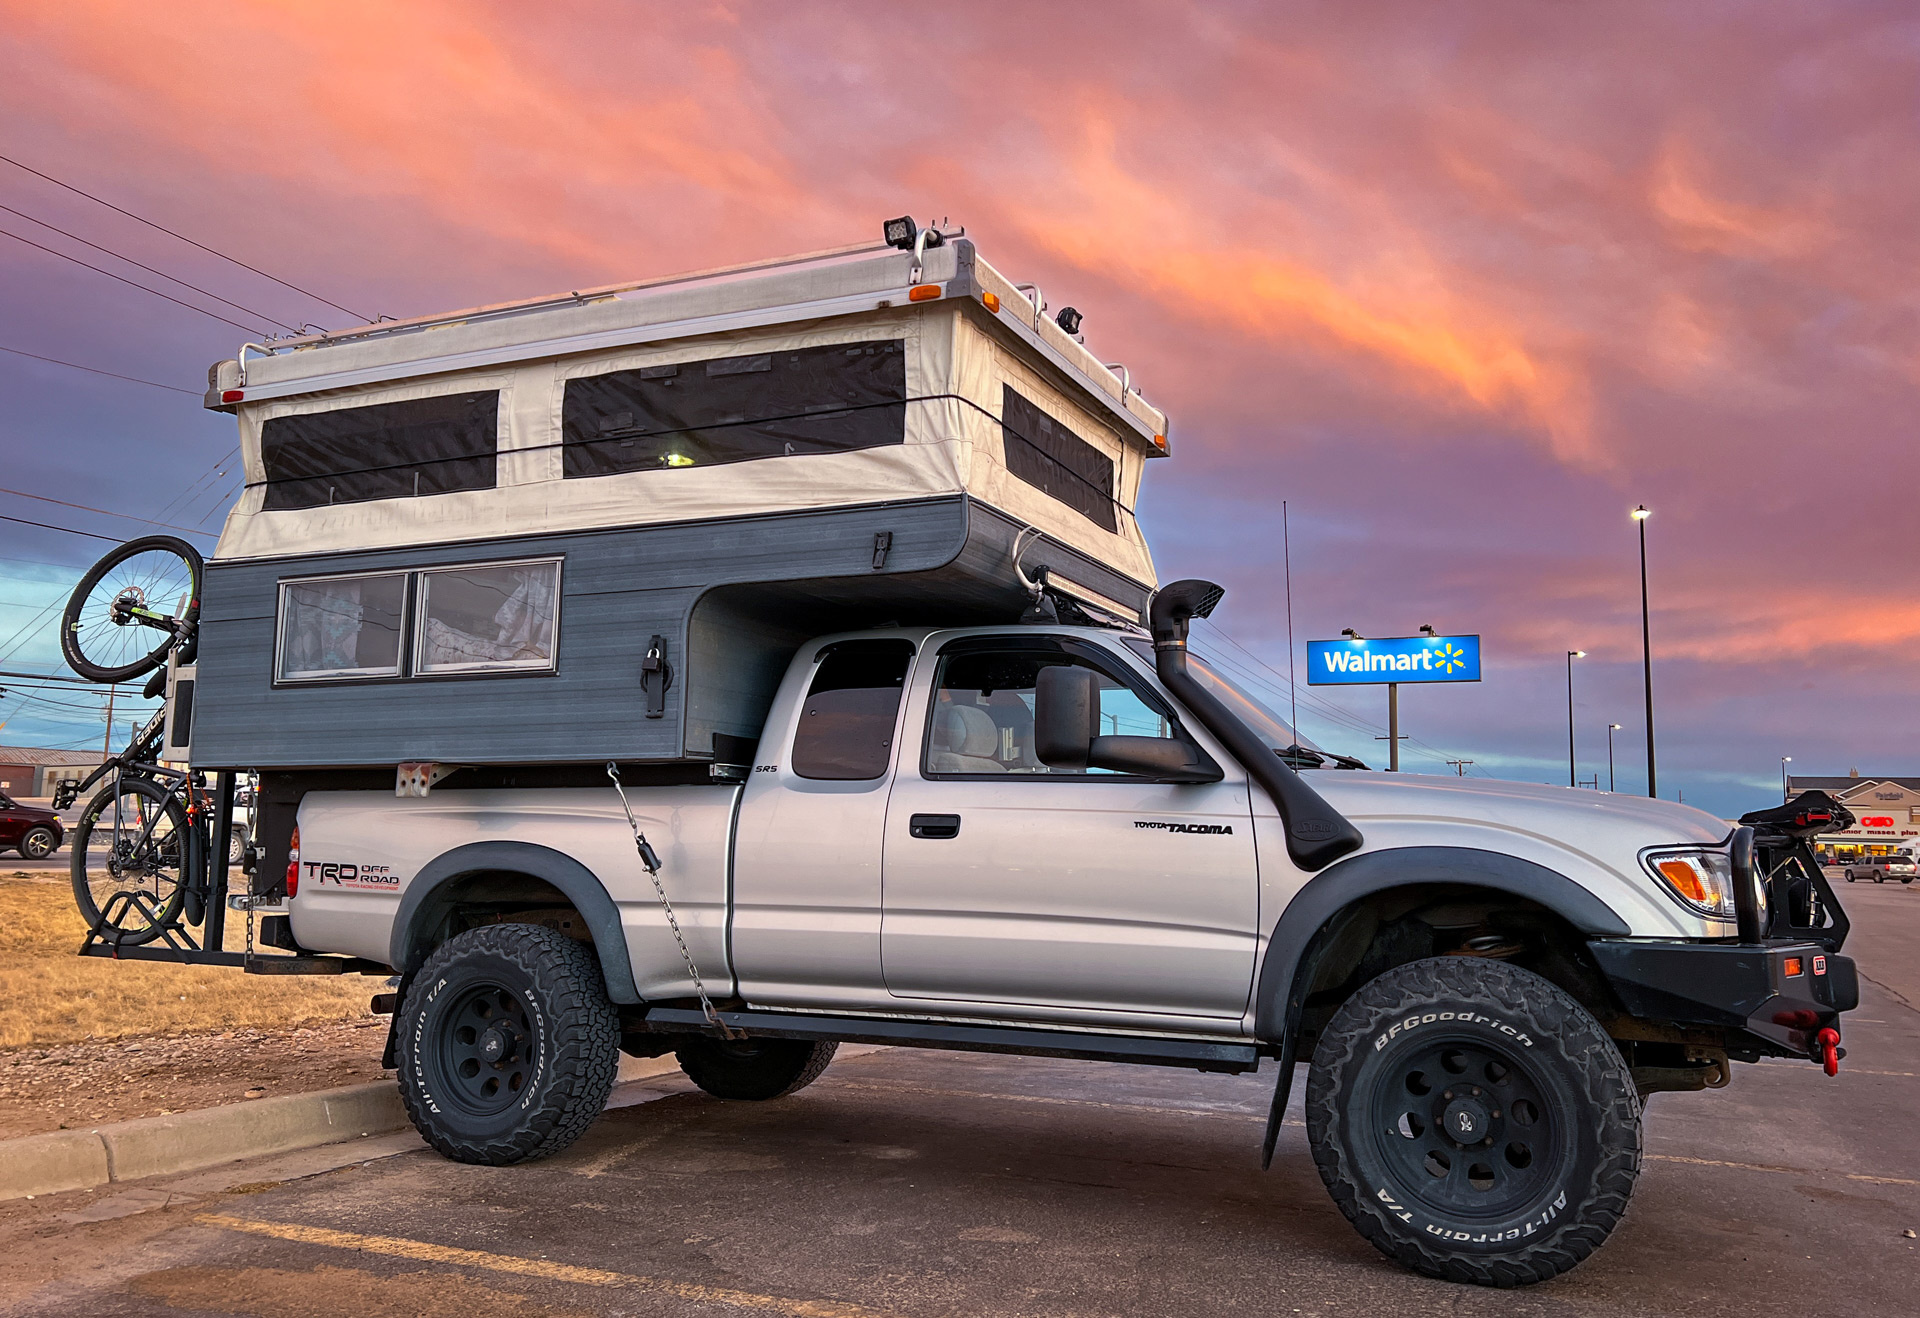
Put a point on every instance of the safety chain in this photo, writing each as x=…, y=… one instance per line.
x=651, y=863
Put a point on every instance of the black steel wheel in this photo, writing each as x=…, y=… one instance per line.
x=112, y=629
x=508, y=1044
x=39, y=843
x=129, y=860
x=753, y=1069
x=1473, y=1121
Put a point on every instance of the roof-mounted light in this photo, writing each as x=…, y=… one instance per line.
x=1069, y=320
x=901, y=232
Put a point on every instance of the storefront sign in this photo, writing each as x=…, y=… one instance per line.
x=1393, y=659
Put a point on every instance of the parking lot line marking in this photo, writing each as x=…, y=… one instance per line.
x=422, y=1251
x=1788, y=1171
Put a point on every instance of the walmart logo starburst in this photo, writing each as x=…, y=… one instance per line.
x=1449, y=658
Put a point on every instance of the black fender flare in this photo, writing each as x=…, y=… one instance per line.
x=1345, y=882
x=427, y=897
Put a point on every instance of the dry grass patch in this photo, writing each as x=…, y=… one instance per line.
x=53, y=996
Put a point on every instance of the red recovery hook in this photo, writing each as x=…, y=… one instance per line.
x=1828, y=1041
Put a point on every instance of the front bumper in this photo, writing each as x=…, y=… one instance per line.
x=1775, y=997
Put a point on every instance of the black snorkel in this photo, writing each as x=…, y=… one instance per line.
x=1317, y=834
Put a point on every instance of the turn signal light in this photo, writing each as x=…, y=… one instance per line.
x=923, y=292
x=991, y=301
x=293, y=863
x=1794, y=965
x=1684, y=879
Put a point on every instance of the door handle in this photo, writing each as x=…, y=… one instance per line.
x=934, y=826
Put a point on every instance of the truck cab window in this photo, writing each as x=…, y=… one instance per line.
x=982, y=720
x=847, y=722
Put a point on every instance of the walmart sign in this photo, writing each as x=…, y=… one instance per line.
x=1394, y=659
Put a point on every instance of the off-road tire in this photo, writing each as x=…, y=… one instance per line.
x=539, y=999
x=1412, y=1026
x=753, y=1069
x=39, y=843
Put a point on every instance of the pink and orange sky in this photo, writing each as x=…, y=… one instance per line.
x=1462, y=284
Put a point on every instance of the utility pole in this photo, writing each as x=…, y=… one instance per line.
x=106, y=741
x=1459, y=767
x=1640, y=515
x=1611, y=729
x=1572, y=778
x=1785, y=793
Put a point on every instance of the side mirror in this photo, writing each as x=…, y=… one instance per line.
x=1064, y=713
x=1152, y=757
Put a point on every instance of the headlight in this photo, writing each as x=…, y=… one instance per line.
x=1702, y=878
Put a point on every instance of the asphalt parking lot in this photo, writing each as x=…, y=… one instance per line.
x=919, y=1183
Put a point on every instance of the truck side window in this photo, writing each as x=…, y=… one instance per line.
x=846, y=724
x=982, y=718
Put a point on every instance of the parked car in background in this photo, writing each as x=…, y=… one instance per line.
x=1901, y=865
x=34, y=832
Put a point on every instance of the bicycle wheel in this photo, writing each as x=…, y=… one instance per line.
x=132, y=838
x=111, y=630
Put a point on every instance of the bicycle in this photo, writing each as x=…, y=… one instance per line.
x=141, y=851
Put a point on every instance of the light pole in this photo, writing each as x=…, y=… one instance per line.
x=1611, y=729
x=1640, y=515
x=1785, y=795
x=1571, y=656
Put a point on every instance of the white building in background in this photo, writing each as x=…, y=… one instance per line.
x=1886, y=814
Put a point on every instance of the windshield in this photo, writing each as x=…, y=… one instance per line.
x=1265, y=724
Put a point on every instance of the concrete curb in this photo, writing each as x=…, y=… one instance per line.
x=191, y=1141
x=194, y=1141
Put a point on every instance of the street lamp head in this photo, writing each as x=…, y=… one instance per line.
x=1576, y=654
x=1786, y=759
x=1642, y=513
x=1613, y=727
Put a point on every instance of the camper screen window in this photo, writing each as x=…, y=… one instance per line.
x=846, y=725
x=488, y=619
x=387, y=451
x=1045, y=454
x=828, y=399
x=341, y=627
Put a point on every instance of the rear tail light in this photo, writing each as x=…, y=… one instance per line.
x=293, y=863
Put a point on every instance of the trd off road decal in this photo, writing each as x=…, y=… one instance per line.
x=1182, y=828
x=1455, y=1017
x=345, y=874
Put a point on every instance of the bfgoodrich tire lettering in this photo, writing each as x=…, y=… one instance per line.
x=507, y=1044
x=1473, y=1121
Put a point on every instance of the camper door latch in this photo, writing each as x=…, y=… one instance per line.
x=882, y=542
x=656, y=675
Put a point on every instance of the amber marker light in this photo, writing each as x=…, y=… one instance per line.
x=991, y=301
x=1684, y=879
x=923, y=292
x=1794, y=965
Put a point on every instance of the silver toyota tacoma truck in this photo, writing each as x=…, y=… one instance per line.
x=1084, y=841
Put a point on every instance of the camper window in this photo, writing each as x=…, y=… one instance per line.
x=846, y=724
x=385, y=451
x=827, y=399
x=341, y=627
x=1044, y=453
x=484, y=619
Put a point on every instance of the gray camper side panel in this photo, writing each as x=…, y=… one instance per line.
x=617, y=590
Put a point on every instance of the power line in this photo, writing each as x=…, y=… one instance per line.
x=102, y=511
x=245, y=329
x=47, y=526
x=174, y=279
x=183, y=238
x=95, y=370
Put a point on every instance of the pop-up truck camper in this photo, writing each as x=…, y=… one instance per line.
x=736, y=664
